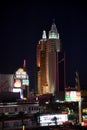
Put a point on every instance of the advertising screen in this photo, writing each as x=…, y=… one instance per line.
x=58, y=119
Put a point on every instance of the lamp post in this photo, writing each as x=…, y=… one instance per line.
x=80, y=112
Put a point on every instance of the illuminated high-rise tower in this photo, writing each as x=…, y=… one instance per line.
x=50, y=63
x=41, y=64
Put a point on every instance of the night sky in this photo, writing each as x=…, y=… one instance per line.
x=21, y=26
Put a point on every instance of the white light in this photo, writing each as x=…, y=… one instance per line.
x=46, y=102
x=57, y=100
x=49, y=119
x=16, y=90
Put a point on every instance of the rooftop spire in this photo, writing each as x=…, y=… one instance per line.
x=44, y=35
x=24, y=64
x=77, y=80
x=54, y=28
x=53, y=33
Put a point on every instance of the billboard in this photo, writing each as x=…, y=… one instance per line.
x=54, y=119
x=73, y=96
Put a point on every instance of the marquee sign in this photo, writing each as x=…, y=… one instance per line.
x=73, y=96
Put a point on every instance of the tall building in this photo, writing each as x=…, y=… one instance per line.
x=50, y=63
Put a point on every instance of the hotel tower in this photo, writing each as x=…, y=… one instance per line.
x=50, y=63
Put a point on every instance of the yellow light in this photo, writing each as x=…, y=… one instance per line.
x=25, y=98
x=23, y=127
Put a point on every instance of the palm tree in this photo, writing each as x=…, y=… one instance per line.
x=2, y=119
x=55, y=120
x=21, y=115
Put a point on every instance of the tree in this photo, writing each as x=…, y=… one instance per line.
x=2, y=119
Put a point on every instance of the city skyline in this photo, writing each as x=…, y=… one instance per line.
x=21, y=27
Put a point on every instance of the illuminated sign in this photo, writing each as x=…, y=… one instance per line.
x=51, y=119
x=17, y=83
x=21, y=74
x=25, y=82
x=73, y=96
x=17, y=90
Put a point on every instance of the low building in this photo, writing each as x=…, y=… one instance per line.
x=14, y=115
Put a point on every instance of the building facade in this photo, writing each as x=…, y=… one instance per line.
x=15, y=83
x=6, y=82
x=14, y=115
x=50, y=63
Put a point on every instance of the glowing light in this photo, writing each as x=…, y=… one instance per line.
x=25, y=82
x=21, y=74
x=73, y=96
x=50, y=119
x=16, y=90
x=23, y=127
x=17, y=83
x=20, y=70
